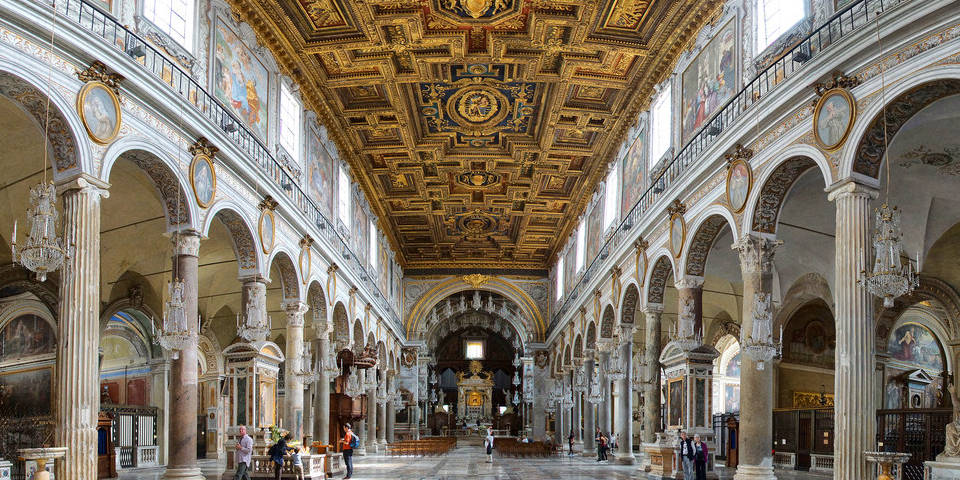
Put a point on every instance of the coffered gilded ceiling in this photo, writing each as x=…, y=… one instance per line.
x=478, y=128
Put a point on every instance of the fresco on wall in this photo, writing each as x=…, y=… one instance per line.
x=27, y=392
x=809, y=337
x=240, y=81
x=570, y=267
x=384, y=263
x=594, y=232
x=320, y=175
x=733, y=367
x=361, y=229
x=632, y=176
x=915, y=344
x=731, y=398
x=709, y=81
x=26, y=336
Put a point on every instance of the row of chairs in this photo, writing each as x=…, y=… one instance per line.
x=515, y=448
x=423, y=447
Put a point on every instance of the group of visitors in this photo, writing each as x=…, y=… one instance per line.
x=693, y=455
x=604, y=444
x=279, y=450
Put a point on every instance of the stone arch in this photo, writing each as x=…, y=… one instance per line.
x=567, y=356
x=705, y=234
x=139, y=320
x=289, y=283
x=908, y=98
x=69, y=145
x=936, y=292
x=535, y=325
x=721, y=327
x=170, y=183
x=19, y=279
x=578, y=347
x=657, y=283
x=317, y=301
x=607, y=322
x=241, y=233
x=494, y=323
x=768, y=202
x=212, y=354
x=358, y=339
x=341, y=325
x=591, y=339
x=628, y=306
x=809, y=287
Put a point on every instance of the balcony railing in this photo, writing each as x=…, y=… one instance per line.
x=838, y=26
x=103, y=25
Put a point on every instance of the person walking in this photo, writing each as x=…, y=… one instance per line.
x=297, y=463
x=700, y=456
x=686, y=455
x=488, y=444
x=277, y=452
x=346, y=447
x=570, y=442
x=241, y=455
x=601, y=445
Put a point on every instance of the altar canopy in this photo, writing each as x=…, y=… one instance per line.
x=474, y=393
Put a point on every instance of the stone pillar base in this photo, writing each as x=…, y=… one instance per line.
x=360, y=451
x=589, y=452
x=754, y=472
x=624, y=459
x=183, y=473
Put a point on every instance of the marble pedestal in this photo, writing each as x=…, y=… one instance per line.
x=5, y=468
x=942, y=470
x=755, y=472
x=659, y=458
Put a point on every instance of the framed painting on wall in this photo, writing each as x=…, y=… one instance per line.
x=26, y=336
x=28, y=392
x=833, y=118
x=709, y=81
x=320, y=174
x=675, y=402
x=633, y=171
x=594, y=231
x=99, y=110
x=240, y=81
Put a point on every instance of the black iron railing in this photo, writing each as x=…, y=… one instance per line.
x=919, y=432
x=103, y=25
x=840, y=25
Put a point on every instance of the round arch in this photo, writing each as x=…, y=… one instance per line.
x=289, y=274
x=706, y=230
x=656, y=283
x=241, y=233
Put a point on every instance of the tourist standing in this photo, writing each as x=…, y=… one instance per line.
x=700, y=458
x=297, y=463
x=570, y=443
x=488, y=443
x=241, y=456
x=277, y=452
x=601, y=445
x=346, y=446
x=686, y=455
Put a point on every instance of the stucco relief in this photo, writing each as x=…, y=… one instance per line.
x=701, y=243
x=658, y=280
x=774, y=191
x=243, y=243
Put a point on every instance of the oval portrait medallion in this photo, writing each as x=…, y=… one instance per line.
x=203, y=179
x=99, y=110
x=268, y=230
x=478, y=108
x=833, y=118
x=739, y=181
x=678, y=234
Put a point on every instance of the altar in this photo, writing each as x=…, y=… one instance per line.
x=475, y=394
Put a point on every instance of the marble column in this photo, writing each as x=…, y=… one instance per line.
x=78, y=328
x=308, y=393
x=589, y=412
x=625, y=402
x=391, y=412
x=575, y=418
x=382, y=422
x=293, y=387
x=254, y=294
x=651, y=387
x=603, y=408
x=371, y=433
x=321, y=402
x=756, y=386
x=690, y=289
x=854, y=384
x=182, y=463
x=415, y=420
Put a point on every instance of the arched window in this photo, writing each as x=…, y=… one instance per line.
x=727, y=377
x=775, y=18
x=661, y=122
x=173, y=17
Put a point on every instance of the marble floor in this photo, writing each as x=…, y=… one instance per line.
x=469, y=461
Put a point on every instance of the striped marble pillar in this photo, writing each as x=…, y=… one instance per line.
x=293, y=388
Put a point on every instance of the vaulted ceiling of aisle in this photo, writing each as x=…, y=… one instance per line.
x=478, y=129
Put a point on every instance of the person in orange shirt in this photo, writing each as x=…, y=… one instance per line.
x=346, y=446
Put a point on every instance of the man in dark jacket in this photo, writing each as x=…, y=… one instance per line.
x=686, y=455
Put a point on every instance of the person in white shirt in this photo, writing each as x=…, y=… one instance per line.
x=244, y=449
x=488, y=443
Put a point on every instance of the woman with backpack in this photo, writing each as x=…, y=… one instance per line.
x=349, y=442
x=277, y=452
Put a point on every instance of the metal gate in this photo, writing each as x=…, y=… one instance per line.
x=919, y=432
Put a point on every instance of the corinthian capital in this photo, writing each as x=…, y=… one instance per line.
x=689, y=281
x=186, y=243
x=756, y=253
x=295, y=312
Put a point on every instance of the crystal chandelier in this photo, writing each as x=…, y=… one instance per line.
x=566, y=400
x=43, y=251
x=760, y=345
x=580, y=380
x=433, y=396
x=174, y=334
x=382, y=393
x=516, y=398
x=889, y=278
x=253, y=325
x=639, y=367
x=595, y=396
x=330, y=367
x=685, y=335
x=305, y=370
x=516, y=378
x=616, y=372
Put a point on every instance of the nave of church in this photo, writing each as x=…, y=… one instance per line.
x=582, y=230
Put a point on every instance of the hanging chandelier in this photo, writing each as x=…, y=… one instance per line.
x=43, y=251
x=890, y=278
x=398, y=403
x=760, y=345
x=616, y=372
x=382, y=397
x=639, y=367
x=433, y=397
x=595, y=396
x=330, y=368
x=516, y=398
x=305, y=370
x=566, y=400
x=684, y=335
x=516, y=378
x=254, y=325
x=174, y=334
x=580, y=380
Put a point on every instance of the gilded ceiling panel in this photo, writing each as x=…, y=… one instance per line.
x=477, y=128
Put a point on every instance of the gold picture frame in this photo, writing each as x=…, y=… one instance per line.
x=266, y=244
x=95, y=116
x=201, y=184
x=305, y=263
x=677, y=249
x=733, y=168
x=32, y=386
x=832, y=144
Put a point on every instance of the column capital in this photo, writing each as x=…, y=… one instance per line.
x=689, y=281
x=295, y=311
x=653, y=308
x=186, y=242
x=252, y=279
x=850, y=187
x=84, y=182
x=756, y=253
